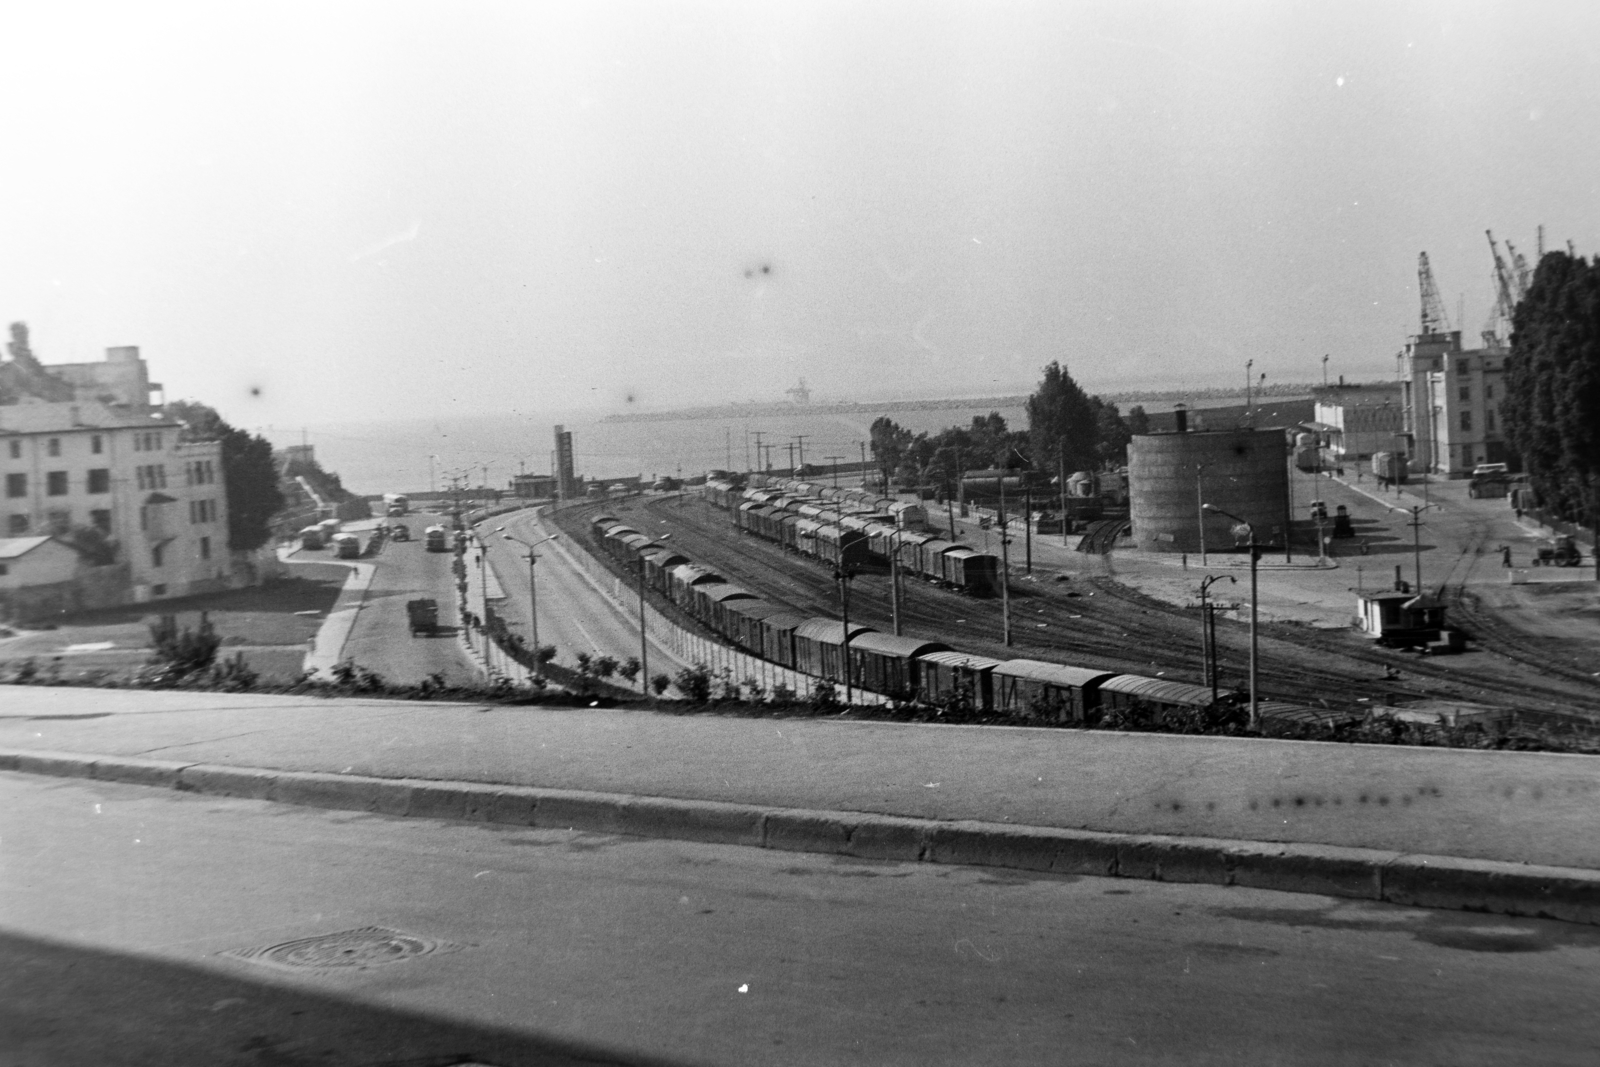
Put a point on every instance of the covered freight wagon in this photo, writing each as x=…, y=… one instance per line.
x=1030, y=688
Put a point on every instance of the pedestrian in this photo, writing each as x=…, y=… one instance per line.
x=1505, y=555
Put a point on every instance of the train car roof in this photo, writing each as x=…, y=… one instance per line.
x=961, y=659
x=915, y=537
x=755, y=608
x=1285, y=712
x=1158, y=689
x=786, y=620
x=940, y=545
x=904, y=505
x=662, y=557
x=890, y=645
x=1054, y=673
x=601, y=520
x=728, y=591
x=690, y=574
x=829, y=631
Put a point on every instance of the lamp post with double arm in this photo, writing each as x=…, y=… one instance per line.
x=533, y=588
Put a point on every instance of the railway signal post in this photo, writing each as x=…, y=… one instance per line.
x=1255, y=556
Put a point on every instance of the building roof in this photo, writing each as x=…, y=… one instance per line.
x=13, y=547
x=63, y=417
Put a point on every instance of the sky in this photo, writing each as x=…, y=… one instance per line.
x=320, y=212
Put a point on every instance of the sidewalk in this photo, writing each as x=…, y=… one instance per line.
x=1499, y=831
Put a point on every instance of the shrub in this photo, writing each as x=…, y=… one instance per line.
x=629, y=669
x=180, y=653
x=695, y=683
x=545, y=654
x=659, y=683
x=824, y=696
x=605, y=666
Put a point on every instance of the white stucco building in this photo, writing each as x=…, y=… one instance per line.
x=125, y=472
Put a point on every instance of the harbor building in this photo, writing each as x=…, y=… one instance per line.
x=1451, y=399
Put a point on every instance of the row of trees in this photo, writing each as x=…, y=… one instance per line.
x=1068, y=430
x=1551, y=409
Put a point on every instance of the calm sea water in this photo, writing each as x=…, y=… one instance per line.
x=418, y=454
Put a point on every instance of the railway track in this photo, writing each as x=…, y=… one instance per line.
x=1110, y=626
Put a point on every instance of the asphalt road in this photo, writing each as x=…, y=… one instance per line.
x=381, y=639
x=573, y=615
x=121, y=902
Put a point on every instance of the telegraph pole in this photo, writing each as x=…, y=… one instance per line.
x=1005, y=571
x=801, y=439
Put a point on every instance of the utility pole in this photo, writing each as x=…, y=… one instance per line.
x=1200, y=508
x=792, y=473
x=1005, y=570
x=801, y=439
x=759, y=434
x=1249, y=414
x=835, y=460
x=1324, y=372
x=863, y=445
x=1027, y=526
x=1061, y=485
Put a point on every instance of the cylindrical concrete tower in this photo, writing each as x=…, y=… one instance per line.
x=1171, y=474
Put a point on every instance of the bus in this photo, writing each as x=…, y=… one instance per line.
x=311, y=537
x=396, y=504
x=346, y=546
x=435, y=539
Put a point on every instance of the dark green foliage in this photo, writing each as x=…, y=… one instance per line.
x=889, y=442
x=659, y=683
x=605, y=666
x=1063, y=425
x=179, y=653
x=695, y=683
x=824, y=696
x=248, y=469
x=1551, y=409
x=1138, y=420
x=98, y=548
x=629, y=668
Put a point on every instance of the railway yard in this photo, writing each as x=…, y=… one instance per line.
x=1134, y=616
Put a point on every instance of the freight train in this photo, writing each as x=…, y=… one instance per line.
x=854, y=528
x=901, y=668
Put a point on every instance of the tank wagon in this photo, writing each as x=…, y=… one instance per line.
x=901, y=668
x=1240, y=471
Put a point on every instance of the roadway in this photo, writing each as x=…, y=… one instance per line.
x=553, y=946
x=574, y=615
x=381, y=638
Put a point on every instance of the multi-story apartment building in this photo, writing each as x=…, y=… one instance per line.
x=126, y=473
x=1452, y=404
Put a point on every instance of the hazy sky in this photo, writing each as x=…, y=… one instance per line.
x=403, y=209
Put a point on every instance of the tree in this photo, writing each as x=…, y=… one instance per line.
x=1138, y=420
x=1062, y=424
x=1113, y=433
x=889, y=442
x=250, y=475
x=1551, y=410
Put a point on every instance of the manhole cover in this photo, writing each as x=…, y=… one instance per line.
x=368, y=946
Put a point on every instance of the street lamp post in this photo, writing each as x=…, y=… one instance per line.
x=1208, y=633
x=1255, y=712
x=644, y=650
x=533, y=588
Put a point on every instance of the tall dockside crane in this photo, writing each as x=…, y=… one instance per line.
x=1506, y=295
x=1433, y=316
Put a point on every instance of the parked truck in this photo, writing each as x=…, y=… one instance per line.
x=1389, y=467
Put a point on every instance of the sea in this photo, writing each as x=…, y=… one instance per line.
x=416, y=455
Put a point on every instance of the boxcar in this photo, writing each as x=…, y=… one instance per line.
x=1126, y=690
x=1031, y=688
x=658, y=566
x=930, y=559
x=977, y=573
x=817, y=646
x=883, y=663
x=945, y=675
x=712, y=600
x=741, y=622
x=683, y=578
x=777, y=636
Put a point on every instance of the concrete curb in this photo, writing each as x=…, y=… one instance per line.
x=1448, y=882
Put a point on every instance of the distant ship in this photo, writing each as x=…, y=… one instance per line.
x=801, y=394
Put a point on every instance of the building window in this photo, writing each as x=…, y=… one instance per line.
x=1466, y=392
x=97, y=444
x=1461, y=366
x=16, y=485
x=158, y=590
x=4, y=570
x=100, y=518
x=160, y=472
x=53, y=446
x=152, y=476
x=16, y=449
x=55, y=483
x=1488, y=421
x=100, y=480
x=1466, y=421
x=17, y=525
x=202, y=511
x=1488, y=391
x=205, y=548
x=158, y=555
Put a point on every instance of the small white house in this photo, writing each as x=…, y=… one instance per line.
x=33, y=561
